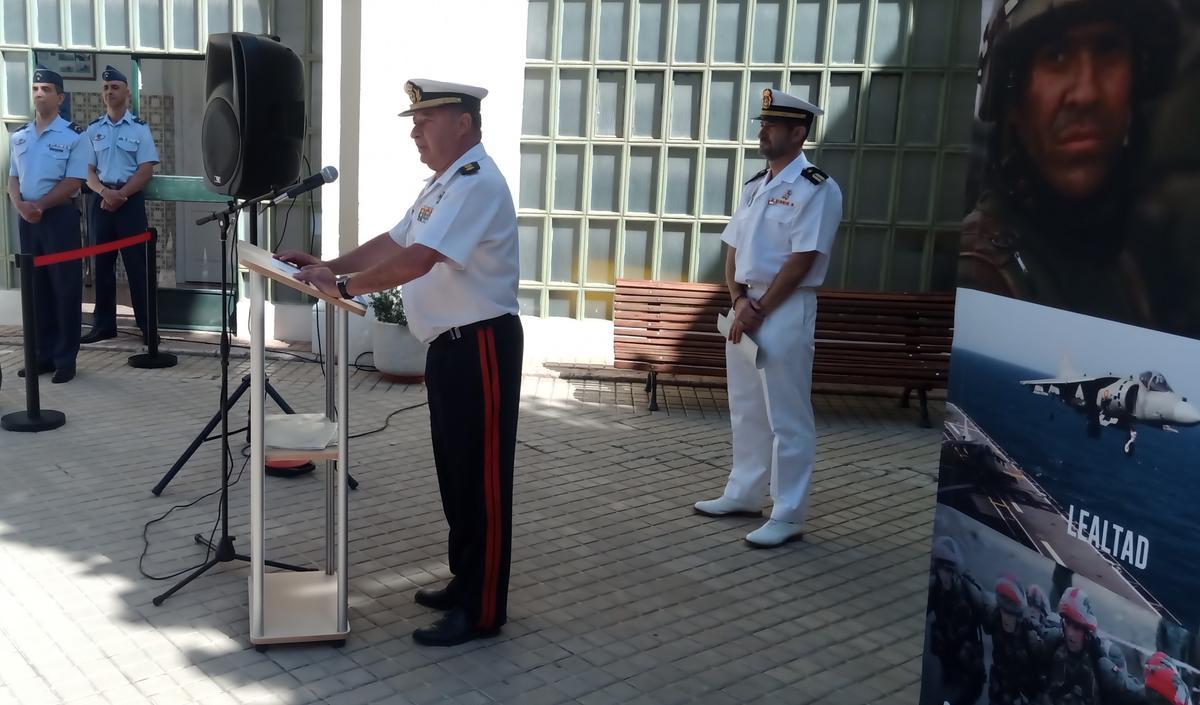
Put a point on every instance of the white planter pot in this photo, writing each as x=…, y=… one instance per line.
x=397, y=352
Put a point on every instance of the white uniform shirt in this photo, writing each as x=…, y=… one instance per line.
x=774, y=219
x=467, y=215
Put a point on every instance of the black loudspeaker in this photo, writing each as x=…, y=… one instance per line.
x=253, y=130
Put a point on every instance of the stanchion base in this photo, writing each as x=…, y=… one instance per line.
x=23, y=422
x=146, y=361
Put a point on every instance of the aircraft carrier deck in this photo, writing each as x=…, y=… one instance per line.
x=981, y=480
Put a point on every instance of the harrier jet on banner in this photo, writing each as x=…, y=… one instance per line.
x=1124, y=402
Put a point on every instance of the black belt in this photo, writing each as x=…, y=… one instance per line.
x=457, y=332
x=106, y=184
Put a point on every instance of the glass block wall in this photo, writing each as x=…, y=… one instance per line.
x=148, y=28
x=636, y=136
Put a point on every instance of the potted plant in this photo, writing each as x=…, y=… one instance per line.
x=398, y=353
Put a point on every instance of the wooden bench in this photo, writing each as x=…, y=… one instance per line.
x=874, y=339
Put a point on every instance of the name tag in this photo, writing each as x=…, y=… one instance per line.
x=58, y=147
x=424, y=213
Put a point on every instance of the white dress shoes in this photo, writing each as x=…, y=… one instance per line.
x=774, y=533
x=726, y=507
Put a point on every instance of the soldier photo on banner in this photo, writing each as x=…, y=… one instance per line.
x=1065, y=539
x=1066, y=98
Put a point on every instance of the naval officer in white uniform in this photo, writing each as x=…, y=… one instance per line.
x=780, y=239
x=455, y=253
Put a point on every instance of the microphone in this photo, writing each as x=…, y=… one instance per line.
x=315, y=181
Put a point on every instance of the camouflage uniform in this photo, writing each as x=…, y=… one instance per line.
x=1023, y=239
x=955, y=633
x=1013, y=678
x=1168, y=213
x=1057, y=258
x=1094, y=675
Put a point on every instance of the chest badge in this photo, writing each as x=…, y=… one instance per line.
x=782, y=200
x=424, y=213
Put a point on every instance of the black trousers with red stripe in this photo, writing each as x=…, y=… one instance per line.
x=473, y=377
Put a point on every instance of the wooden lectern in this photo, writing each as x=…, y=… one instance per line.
x=288, y=607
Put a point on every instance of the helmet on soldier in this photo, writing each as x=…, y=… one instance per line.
x=946, y=554
x=1076, y=607
x=1019, y=27
x=1010, y=597
x=1164, y=686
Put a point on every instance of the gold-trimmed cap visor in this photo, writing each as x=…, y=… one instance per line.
x=424, y=94
x=780, y=105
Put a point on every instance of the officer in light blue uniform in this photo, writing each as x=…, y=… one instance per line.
x=125, y=159
x=49, y=162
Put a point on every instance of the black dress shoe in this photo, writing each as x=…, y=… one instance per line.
x=456, y=627
x=95, y=336
x=436, y=599
x=62, y=376
x=42, y=369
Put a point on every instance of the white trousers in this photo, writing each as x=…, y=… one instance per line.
x=774, y=433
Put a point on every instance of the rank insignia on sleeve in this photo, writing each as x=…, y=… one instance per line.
x=424, y=213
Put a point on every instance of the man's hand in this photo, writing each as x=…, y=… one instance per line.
x=748, y=318
x=320, y=277
x=113, y=200
x=299, y=259
x=30, y=212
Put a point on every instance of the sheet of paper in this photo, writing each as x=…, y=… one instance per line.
x=291, y=270
x=746, y=345
x=288, y=269
x=300, y=431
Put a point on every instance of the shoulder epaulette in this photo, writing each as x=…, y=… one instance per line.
x=93, y=122
x=758, y=176
x=77, y=127
x=139, y=121
x=24, y=127
x=468, y=169
x=815, y=175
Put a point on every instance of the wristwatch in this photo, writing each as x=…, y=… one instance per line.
x=341, y=285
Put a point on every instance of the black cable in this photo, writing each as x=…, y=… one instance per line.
x=364, y=368
x=207, y=550
x=243, y=429
x=388, y=420
x=317, y=327
x=146, y=527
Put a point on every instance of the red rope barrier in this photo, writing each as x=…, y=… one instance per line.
x=82, y=252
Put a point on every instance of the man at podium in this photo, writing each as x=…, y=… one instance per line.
x=455, y=253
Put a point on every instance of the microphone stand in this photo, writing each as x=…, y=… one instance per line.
x=223, y=549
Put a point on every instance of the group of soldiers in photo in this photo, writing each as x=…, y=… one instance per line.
x=1042, y=652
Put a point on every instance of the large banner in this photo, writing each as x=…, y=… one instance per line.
x=1066, y=553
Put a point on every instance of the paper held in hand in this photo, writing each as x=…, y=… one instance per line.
x=746, y=345
x=286, y=268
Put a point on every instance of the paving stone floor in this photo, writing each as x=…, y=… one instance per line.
x=619, y=593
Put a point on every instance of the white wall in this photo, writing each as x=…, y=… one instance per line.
x=479, y=42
